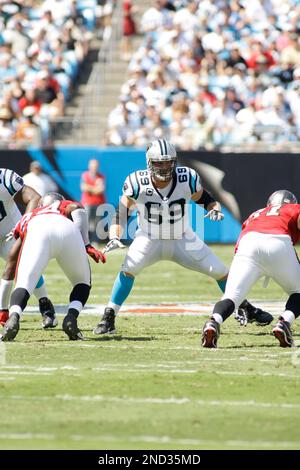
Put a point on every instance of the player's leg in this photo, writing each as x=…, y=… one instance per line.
x=10, y=253
x=33, y=259
x=7, y=281
x=284, y=268
x=244, y=272
x=142, y=253
x=193, y=253
x=77, y=269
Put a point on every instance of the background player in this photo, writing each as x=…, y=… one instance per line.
x=265, y=247
x=13, y=191
x=47, y=233
x=161, y=193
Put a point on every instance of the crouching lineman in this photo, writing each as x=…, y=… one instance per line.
x=161, y=194
x=265, y=247
x=58, y=229
x=13, y=191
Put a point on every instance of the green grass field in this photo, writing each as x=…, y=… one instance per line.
x=151, y=386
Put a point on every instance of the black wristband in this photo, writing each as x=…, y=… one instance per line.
x=205, y=199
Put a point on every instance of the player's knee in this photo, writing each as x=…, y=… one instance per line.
x=81, y=293
x=20, y=297
x=293, y=304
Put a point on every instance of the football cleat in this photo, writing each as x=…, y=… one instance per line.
x=247, y=313
x=11, y=328
x=283, y=333
x=3, y=316
x=107, y=324
x=70, y=327
x=48, y=313
x=210, y=334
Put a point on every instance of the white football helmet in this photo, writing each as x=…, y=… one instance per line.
x=158, y=152
x=49, y=198
x=282, y=196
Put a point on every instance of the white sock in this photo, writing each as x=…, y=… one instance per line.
x=15, y=309
x=114, y=306
x=288, y=316
x=5, y=291
x=40, y=292
x=218, y=318
x=76, y=305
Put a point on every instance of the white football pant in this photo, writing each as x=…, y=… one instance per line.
x=261, y=254
x=190, y=252
x=52, y=236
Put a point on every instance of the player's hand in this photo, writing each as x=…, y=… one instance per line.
x=214, y=215
x=113, y=245
x=241, y=316
x=97, y=255
x=9, y=236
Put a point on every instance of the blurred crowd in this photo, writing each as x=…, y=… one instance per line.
x=213, y=73
x=42, y=46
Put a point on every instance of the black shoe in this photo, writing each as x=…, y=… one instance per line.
x=70, y=327
x=282, y=332
x=210, y=334
x=48, y=313
x=11, y=328
x=247, y=313
x=107, y=324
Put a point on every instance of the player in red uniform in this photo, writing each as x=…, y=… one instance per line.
x=264, y=248
x=47, y=233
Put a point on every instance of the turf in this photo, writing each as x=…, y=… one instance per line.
x=151, y=386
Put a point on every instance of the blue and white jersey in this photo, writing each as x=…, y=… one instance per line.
x=10, y=184
x=163, y=213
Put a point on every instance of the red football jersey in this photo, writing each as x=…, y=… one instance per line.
x=57, y=207
x=277, y=220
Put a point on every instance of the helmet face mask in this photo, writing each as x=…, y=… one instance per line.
x=280, y=197
x=50, y=198
x=161, y=160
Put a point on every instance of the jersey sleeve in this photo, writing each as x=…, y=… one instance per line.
x=194, y=181
x=12, y=182
x=131, y=186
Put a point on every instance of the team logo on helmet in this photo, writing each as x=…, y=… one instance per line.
x=161, y=159
x=282, y=196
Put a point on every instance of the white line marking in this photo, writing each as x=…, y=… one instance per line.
x=199, y=309
x=158, y=401
x=26, y=436
x=152, y=439
x=187, y=441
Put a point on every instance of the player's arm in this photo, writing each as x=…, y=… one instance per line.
x=118, y=223
x=28, y=198
x=213, y=207
x=75, y=212
x=298, y=222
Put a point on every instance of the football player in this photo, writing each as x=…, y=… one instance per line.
x=13, y=191
x=264, y=248
x=161, y=194
x=57, y=229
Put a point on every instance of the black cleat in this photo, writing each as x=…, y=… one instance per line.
x=70, y=327
x=107, y=324
x=11, y=328
x=48, y=313
x=247, y=313
x=283, y=333
x=210, y=334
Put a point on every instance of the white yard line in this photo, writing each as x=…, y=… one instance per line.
x=158, y=401
x=152, y=439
